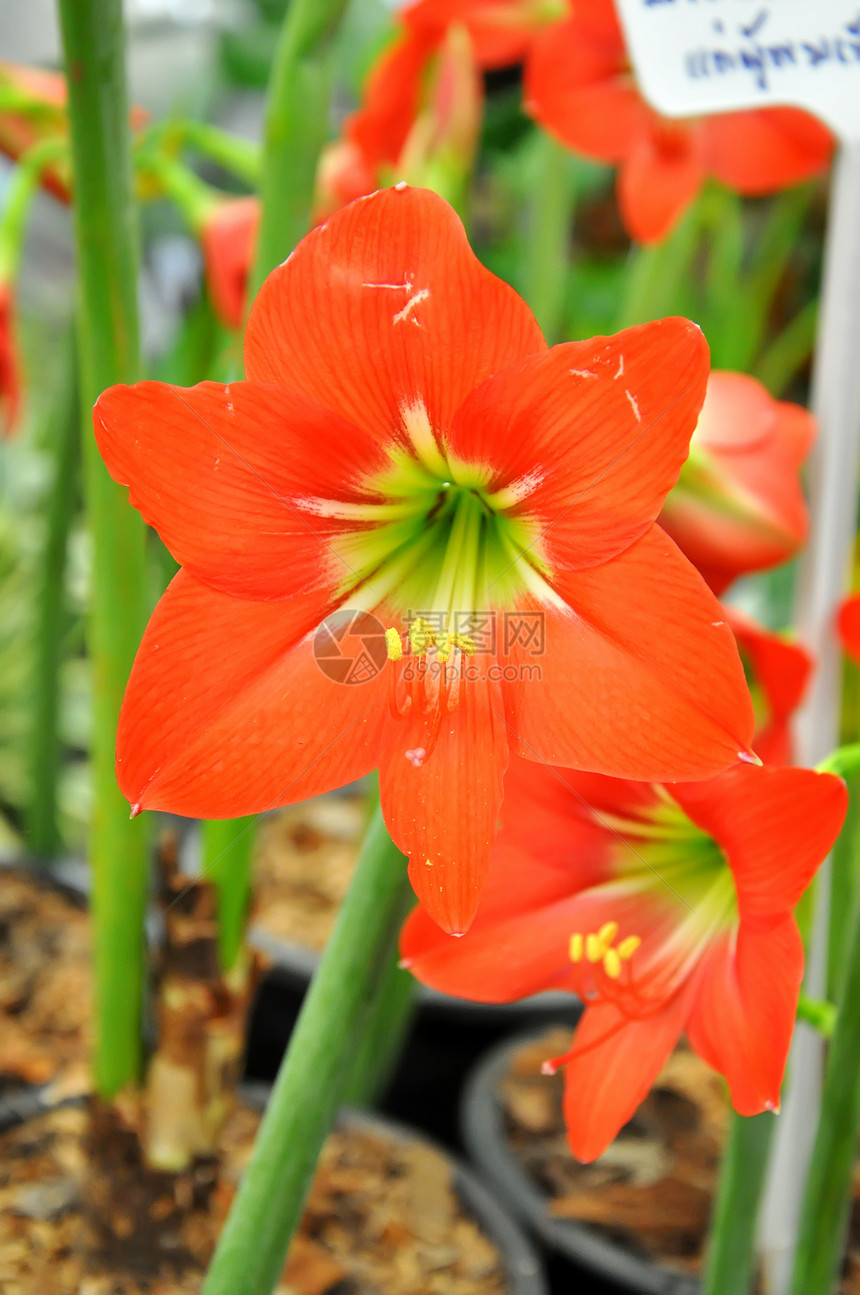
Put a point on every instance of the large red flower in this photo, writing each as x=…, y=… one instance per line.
x=407, y=445
x=738, y=505
x=579, y=86
x=665, y=909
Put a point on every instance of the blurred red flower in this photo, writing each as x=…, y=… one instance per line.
x=666, y=909
x=738, y=505
x=579, y=86
x=228, y=239
x=10, y=376
x=406, y=445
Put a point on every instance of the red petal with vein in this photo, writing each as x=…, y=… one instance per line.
x=592, y=434
x=222, y=473
x=618, y=1061
x=765, y=150
x=443, y=810
x=384, y=306
x=743, y=1017
x=775, y=825
x=621, y=674
x=577, y=86
x=659, y=178
x=227, y=712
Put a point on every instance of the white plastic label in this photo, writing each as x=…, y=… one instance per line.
x=701, y=56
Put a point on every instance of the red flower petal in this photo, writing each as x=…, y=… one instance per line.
x=227, y=242
x=615, y=1062
x=442, y=808
x=764, y=150
x=390, y=99
x=578, y=87
x=594, y=433
x=383, y=306
x=849, y=626
x=620, y=690
x=781, y=667
x=743, y=1017
x=224, y=473
x=227, y=712
x=775, y=825
x=659, y=178
x=500, y=32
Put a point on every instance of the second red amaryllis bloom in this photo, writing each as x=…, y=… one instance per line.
x=579, y=86
x=667, y=910
x=407, y=447
x=228, y=237
x=778, y=671
x=738, y=505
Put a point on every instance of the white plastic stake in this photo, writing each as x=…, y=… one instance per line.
x=694, y=57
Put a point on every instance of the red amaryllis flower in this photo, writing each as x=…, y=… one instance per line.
x=738, y=505
x=501, y=31
x=579, y=86
x=227, y=239
x=406, y=445
x=10, y=378
x=665, y=909
x=777, y=671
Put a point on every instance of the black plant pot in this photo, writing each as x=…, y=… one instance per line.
x=521, y=1261
x=576, y=1248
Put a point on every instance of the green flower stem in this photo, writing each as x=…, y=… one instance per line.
x=730, y=1260
x=16, y=201
x=62, y=431
x=239, y=156
x=789, y=351
x=228, y=846
x=105, y=231
x=335, y=1016
x=550, y=231
x=194, y=198
x=830, y=1181
x=296, y=128
x=844, y=761
x=382, y=1043
x=659, y=273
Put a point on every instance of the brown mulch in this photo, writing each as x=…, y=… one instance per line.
x=305, y=858
x=383, y=1217
x=651, y=1190
x=45, y=1004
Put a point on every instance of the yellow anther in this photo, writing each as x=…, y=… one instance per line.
x=393, y=645
x=576, y=947
x=421, y=636
x=444, y=647
x=466, y=645
x=594, y=947
x=628, y=947
x=607, y=933
x=612, y=964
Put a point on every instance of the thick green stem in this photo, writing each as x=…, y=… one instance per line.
x=550, y=231
x=227, y=847
x=63, y=434
x=730, y=1261
x=297, y=114
x=380, y=1048
x=659, y=273
x=105, y=231
x=830, y=1181
x=335, y=1016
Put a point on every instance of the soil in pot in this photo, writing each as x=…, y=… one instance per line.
x=78, y=1212
x=45, y=1002
x=651, y=1191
